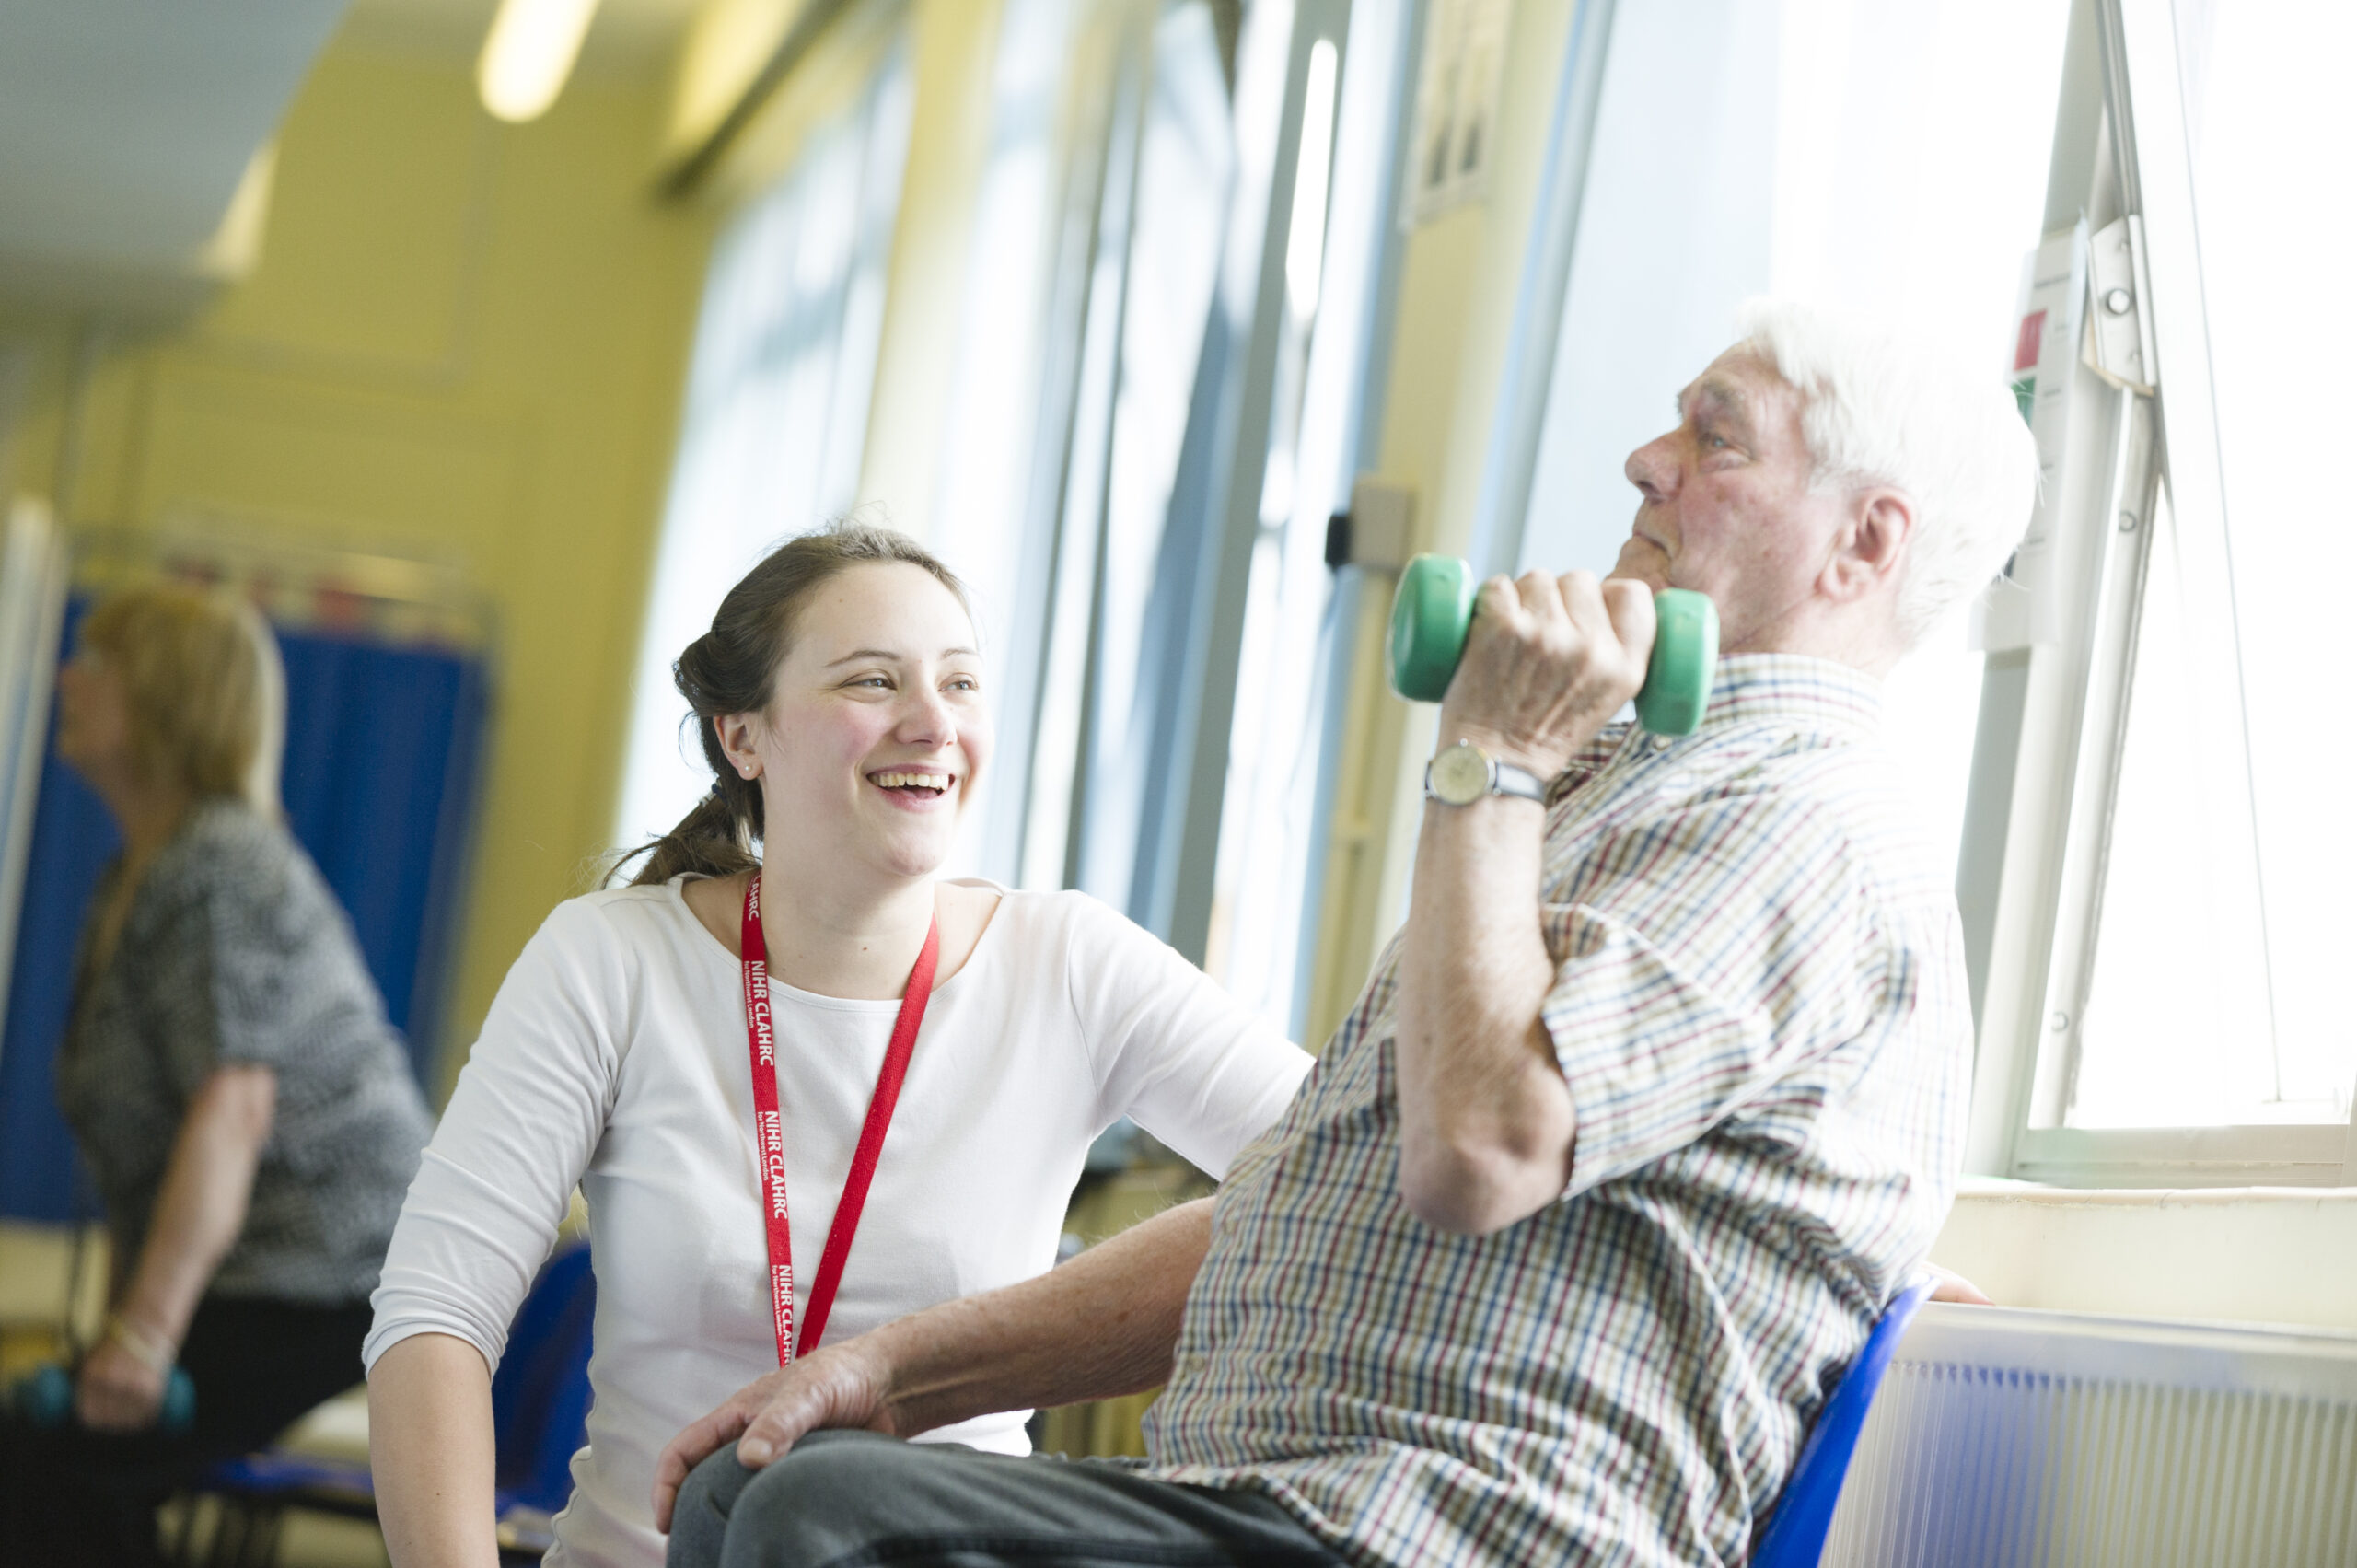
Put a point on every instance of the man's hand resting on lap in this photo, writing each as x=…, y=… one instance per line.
x=1104, y=1324
x=836, y=1385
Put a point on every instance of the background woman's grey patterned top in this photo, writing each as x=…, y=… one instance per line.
x=234, y=950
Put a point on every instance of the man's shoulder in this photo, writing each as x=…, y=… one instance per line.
x=1765, y=793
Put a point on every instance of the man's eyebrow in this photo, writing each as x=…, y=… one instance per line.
x=889, y=656
x=1725, y=397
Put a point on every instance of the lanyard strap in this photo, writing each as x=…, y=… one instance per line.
x=768, y=1131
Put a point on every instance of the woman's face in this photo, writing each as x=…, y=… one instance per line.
x=876, y=729
x=93, y=715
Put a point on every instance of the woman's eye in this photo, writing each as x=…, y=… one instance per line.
x=964, y=683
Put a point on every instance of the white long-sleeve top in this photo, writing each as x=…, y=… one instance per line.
x=615, y=1057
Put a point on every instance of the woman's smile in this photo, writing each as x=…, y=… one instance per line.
x=915, y=789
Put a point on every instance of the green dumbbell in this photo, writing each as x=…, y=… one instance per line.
x=1434, y=609
x=45, y=1399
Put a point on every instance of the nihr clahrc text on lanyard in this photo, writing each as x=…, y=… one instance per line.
x=769, y=1130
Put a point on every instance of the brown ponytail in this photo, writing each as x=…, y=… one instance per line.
x=732, y=670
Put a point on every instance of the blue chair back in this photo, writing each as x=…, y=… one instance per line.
x=540, y=1401
x=1796, y=1533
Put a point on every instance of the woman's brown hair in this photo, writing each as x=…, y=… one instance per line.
x=202, y=677
x=733, y=669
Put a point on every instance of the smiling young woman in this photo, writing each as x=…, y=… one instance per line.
x=789, y=1032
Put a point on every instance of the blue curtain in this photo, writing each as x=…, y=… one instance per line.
x=383, y=747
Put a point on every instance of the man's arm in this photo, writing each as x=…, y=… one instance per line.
x=1486, y=1124
x=1105, y=1323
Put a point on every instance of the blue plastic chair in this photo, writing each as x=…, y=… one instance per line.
x=539, y=1412
x=1795, y=1534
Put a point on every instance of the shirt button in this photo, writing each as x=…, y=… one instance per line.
x=1661, y=743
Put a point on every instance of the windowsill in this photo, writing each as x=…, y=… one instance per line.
x=2283, y=1255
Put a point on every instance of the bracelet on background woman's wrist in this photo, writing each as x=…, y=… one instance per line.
x=150, y=1349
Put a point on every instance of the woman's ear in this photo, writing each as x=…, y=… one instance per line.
x=738, y=734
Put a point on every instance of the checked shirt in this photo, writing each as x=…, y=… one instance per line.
x=1760, y=1012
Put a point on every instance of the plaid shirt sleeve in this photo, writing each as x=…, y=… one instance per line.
x=1702, y=954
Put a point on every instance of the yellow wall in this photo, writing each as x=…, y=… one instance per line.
x=465, y=339
x=1460, y=276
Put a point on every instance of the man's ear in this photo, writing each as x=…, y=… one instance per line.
x=1872, y=542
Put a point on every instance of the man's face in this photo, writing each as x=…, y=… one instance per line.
x=1728, y=506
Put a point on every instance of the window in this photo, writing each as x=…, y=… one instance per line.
x=1221, y=370
x=777, y=407
x=2163, y=1000
x=1903, y=176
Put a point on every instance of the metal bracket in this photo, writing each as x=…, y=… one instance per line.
x=1376, y=532
x=2119, y=328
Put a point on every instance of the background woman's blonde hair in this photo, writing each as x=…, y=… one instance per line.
x=202, y=677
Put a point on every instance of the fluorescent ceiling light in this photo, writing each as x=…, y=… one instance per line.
x=530, y=53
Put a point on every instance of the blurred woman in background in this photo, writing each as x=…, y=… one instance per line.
x=248, y=1112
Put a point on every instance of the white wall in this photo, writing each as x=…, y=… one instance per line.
x=2253, y=1254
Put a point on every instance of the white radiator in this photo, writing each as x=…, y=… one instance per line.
x=2013, y=1439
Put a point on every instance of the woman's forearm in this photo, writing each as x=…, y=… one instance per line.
x=201, y=1206
x=430, y=1449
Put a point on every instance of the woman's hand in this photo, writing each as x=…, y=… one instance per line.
x=838, y=1385
x=1548, y=662
x=117, y=1392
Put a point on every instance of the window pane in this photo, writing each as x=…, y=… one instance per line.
x=1891, y=160
x=776, y=410
x=2267, y=123
x=2170, y=1039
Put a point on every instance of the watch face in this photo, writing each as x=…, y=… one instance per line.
x=1461, y=774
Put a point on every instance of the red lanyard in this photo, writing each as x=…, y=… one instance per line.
x=768, y=1131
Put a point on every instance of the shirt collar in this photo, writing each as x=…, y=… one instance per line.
x=1791, y=689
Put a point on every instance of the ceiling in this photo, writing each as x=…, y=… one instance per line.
x=127, y=125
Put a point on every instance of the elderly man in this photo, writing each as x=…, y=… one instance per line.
x=1646, y=1113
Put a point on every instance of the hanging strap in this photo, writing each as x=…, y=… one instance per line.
x=768, y=1131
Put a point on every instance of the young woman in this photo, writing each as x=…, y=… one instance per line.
x=229, y=1076
x=842, y=709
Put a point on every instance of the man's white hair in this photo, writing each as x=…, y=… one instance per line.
x=1880, y=408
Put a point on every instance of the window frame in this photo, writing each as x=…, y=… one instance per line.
x=2052, y=730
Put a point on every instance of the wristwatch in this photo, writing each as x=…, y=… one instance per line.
x=1463, y=774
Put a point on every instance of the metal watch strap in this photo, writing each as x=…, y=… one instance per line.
x=1507, y=779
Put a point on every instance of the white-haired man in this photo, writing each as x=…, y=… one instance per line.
x=1648, y=1110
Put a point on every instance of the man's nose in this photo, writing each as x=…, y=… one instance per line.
x=1652, y=468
